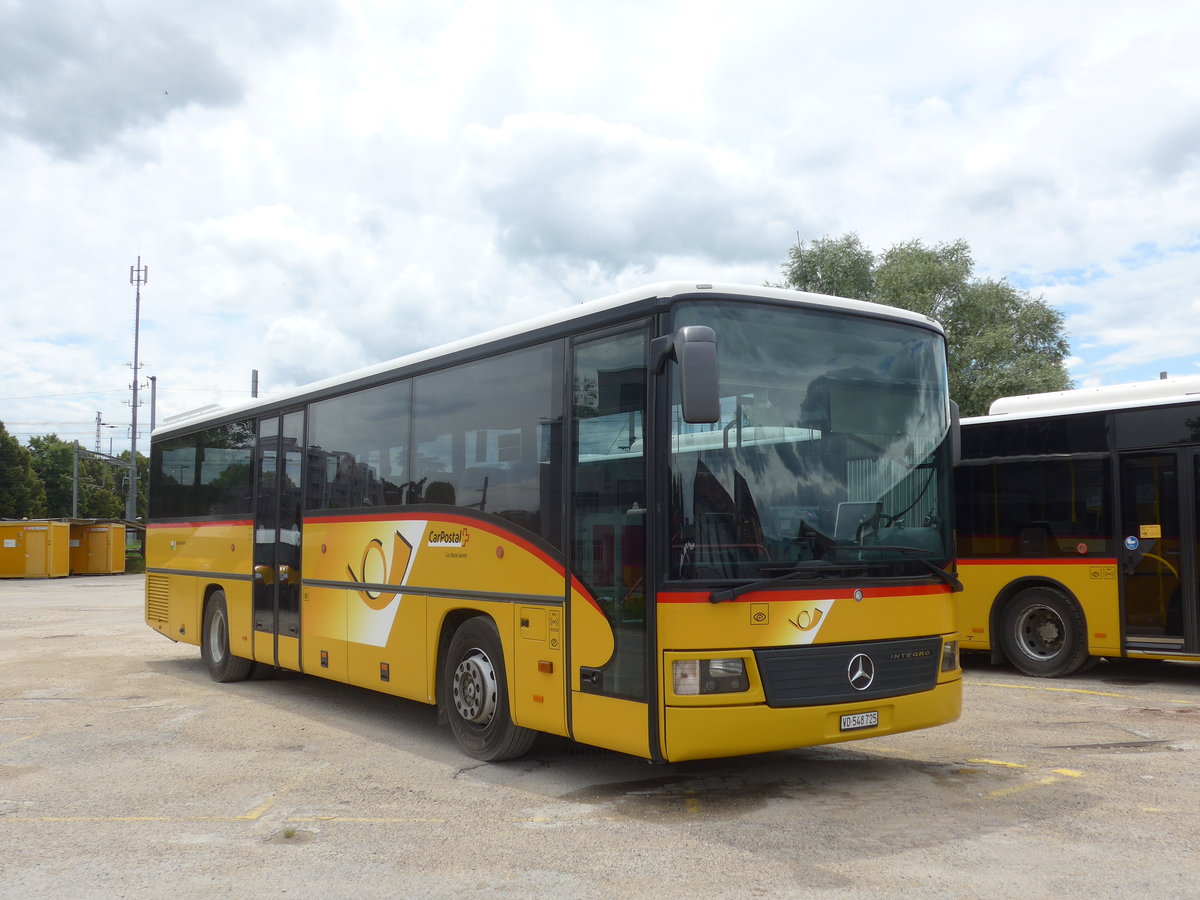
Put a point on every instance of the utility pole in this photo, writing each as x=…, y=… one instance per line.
x=138, y=275
x=75, y=473
x=98, y=423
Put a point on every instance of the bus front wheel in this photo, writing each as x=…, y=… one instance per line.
x=476, y=694
x=1044, y=633
x=214, y=643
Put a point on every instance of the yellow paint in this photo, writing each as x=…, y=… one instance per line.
x=1021, y=788
x=1053, y=690
x=997, y=762
x=259, y=810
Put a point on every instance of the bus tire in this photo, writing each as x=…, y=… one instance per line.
x=1044, y=633
x=222, y=665
x=476, y=692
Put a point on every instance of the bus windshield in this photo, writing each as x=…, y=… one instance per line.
x=831, y=454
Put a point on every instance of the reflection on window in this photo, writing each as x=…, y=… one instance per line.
x=829, y=445
x=609, y=554
x=205, y=474
x=485, y=438
x=358, y=449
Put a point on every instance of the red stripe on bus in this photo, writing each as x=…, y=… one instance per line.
x=225, y=522
x=466, y=521
x=840, y=593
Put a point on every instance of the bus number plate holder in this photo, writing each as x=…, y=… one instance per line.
x=855, y=721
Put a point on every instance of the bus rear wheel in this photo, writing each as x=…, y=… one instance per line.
x=214, y=643
x=1044, y=633
x=476, y=694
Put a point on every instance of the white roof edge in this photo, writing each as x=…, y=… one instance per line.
x=660, y=289
x=1159, y=392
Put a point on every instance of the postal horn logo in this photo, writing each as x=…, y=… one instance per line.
x=806, y=620
x=375, y=568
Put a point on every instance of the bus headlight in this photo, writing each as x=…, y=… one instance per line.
x=949, y=656
x=709, y=676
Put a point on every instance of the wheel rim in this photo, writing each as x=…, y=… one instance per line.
x=475, y=688
x=217, y=638
x=1040, y=632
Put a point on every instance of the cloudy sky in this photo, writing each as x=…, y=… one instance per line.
x=317, y=185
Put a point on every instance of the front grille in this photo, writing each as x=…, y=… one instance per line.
x=814, y=675
x=158, y=597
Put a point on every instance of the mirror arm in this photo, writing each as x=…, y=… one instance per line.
x=662, y=349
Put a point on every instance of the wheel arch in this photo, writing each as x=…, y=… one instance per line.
x=1010, y=591
x=209, y=589
x=451, y=622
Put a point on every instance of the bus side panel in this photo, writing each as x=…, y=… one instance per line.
x=323, y=649
x=538, y=672
x=1093, y=582
x=171, y=606
x=239, y=602
x=610, y=722
x=379, y=636
x=212, y=552
x=388, y=648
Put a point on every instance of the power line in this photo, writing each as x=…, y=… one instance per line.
x=203, y=390
x=89, y=424
x=54, y=396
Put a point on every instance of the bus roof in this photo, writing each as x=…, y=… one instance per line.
x=650, y=294
x=1164, y=391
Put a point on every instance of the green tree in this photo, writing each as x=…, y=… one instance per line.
x=99, y=489
x=1000, y=340
x=50, y=456
x=839, y=266
x=21, y=492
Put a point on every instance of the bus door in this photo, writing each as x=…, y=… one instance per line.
x=278, y=458
x=609, y=502
x=1159, y=531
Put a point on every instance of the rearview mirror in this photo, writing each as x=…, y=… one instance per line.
x=695, y=350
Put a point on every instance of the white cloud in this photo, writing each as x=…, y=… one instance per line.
x=330, y=184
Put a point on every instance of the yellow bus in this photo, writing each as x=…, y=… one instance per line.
x=1077, y=526
x=686, y=521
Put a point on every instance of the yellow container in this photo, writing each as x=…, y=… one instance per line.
x=34, y=549
x=97, y=548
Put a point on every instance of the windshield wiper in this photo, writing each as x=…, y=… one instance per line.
x=815, y=568
x=943, y=575
x=818, y=568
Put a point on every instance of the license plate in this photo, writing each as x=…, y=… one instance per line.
x=855, y=721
